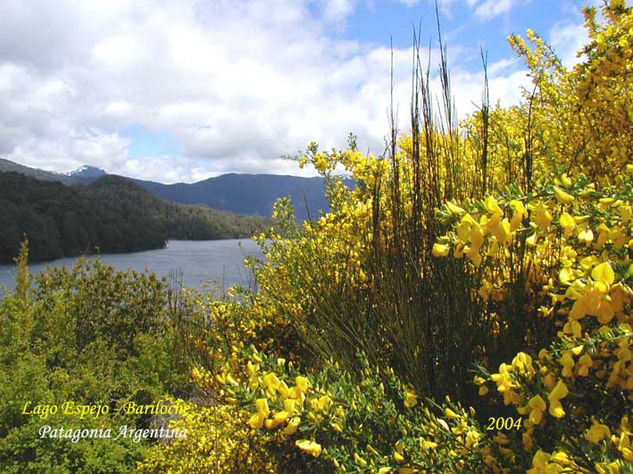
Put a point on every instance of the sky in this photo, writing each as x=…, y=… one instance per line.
x=181, y=90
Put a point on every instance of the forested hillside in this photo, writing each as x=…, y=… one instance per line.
x=110, y=215
x=250, y=194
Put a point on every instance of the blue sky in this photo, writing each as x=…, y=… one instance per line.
x=175, y=90
x=462, y=25
x=146, y=143
x=460, y=22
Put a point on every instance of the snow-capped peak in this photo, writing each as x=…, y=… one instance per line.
x=86, y=171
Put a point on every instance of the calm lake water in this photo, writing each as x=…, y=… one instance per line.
x=218, y=261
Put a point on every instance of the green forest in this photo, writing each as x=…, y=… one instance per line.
x=110, y=215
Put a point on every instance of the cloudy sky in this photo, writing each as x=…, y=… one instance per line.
x=181, y=90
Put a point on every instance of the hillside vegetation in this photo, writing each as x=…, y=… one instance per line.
x=249, y=194
x=467, y=307
x=110, y=215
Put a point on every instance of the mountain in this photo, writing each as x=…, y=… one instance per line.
x=252, y=194
x=112, y=214
x=6, y=166
x=87, y=172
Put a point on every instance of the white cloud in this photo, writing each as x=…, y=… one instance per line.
x=566, y=39
x=237, y=83
x=491, y=8
x=338, y=10
x=484, y=9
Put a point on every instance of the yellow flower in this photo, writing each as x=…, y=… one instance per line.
x=522, y=362
x=502, y=379
x=474, y=256
x=262, y=407
x=585, y=363
x=270, y=382
x=500, y=229
x=256, y=421
x=324, y=403
x=537, y=408
x=279, y=418
x=310, y=447
x=565, y=180
x=440, y=250
x=476, y=237
x=566, y=276
x=567, y=361
x=359, y=460
x=540, y=463
x=542, y=216
x=492, y=207
x=451, y=414
x=603, y=273
x=472, y=438
x=411, y=399
x=586, y=235
x=559, y=391
x=454, y=209
x=568, y=223
x=519, y=214
x=597, y=432
x=588, y=262
x=252, y=368
x=292, y=426
x=289, y=405
x=464, y=226
x=426, y=444
x=531, y=240
x=562, y=196
x=302, y=383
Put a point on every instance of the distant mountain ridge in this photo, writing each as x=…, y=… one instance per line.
x=250, y=194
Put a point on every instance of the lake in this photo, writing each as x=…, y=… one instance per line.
x=219, y=261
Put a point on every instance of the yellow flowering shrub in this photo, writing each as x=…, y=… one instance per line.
x=215, y=333
x=218, y=440
x=364, y=276
x=505, y=239
x=569, y=104
x=577, y=247
x=332, y=421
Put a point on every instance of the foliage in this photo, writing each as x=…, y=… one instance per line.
x=89, y=336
